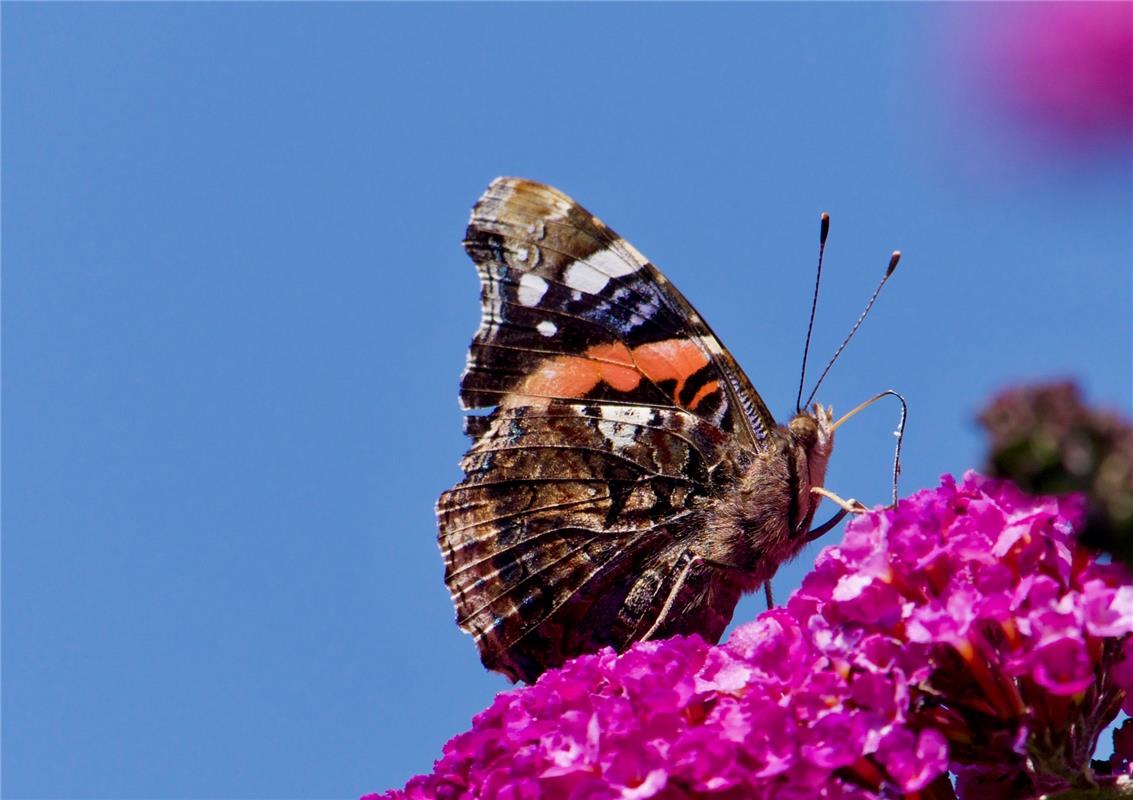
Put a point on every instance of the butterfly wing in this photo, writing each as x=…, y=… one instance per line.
x=617, y=417
x=556, y=281
x=557, y=542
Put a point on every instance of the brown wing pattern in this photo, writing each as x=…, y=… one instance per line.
x=565, y=535
x=617, y=418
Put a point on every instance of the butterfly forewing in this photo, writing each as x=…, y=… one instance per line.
x=555, y=280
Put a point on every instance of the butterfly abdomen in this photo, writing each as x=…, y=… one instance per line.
x=763, y=522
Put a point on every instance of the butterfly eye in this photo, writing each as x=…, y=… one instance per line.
x=804, y=429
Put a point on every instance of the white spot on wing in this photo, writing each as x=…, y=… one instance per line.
x=611, y=263
x=639, y=415
x=531, y=289
x=547, y=328
x=491, y=313
x=710, y=344
x=582, y=277
x=592, y=275
x=558, y=210
x=620, y=424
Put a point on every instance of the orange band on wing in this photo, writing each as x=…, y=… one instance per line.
x=671, y=359
x=620, y=368
x=703, y=392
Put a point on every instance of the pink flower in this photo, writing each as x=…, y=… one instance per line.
x=913, y=760
x=1068, y=67
x=962, y=631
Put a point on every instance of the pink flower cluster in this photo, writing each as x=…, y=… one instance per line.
x=961, y=631
x=1010, y=635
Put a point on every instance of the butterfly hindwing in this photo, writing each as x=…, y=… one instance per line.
x=557, y=542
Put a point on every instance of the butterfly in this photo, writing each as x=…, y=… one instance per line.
x=625, y=480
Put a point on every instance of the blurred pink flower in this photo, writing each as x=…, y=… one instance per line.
x=1066, y=67
x=963, y=630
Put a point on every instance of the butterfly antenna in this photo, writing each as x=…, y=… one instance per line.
x=823, y=232
x=893, y=259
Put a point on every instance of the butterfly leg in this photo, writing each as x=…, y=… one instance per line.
x=850, y=506
x=693, y=561
x=668, y=607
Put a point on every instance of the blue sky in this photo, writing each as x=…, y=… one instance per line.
x=236, y=309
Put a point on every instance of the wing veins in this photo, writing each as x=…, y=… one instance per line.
x=638, y=535
x=595, y=574
x=605, y=401
x=566, y=480
x=674, y=314
x=645, y=470
x=667, y=431
x=527, y=511
x=676, y=329
x=507, y=591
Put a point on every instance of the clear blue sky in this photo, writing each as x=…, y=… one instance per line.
x=236, y=309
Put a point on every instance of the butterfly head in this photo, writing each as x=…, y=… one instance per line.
x=814, y=430
x=812, y=439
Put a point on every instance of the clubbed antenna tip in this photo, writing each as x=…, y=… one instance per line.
x=823, y=232
x=893, y=259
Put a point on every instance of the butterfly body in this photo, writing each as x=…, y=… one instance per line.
x=628, y=482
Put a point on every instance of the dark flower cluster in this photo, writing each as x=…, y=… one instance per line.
x=1048, y=441
x=957, y=644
